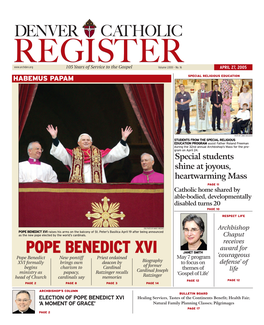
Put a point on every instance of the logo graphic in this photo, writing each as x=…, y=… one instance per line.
x=89, y=28
x=105, y=214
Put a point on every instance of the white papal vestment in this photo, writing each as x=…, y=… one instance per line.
x=118, y=152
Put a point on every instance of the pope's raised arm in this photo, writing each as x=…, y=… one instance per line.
x=53, y=132
x=125, y=133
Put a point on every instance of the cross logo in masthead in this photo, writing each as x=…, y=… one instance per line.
x=89, y=28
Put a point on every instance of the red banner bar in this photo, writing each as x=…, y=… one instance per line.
x=92, y=78
x=239, y=67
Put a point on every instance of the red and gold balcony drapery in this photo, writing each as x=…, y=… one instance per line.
x=91, y=205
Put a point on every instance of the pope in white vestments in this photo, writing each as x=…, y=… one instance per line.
x=33, y=170
x=86, y=162
x=201, y=99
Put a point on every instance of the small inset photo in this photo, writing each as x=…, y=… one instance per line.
x=213, y=106
x=23, y=302
x=193, y=234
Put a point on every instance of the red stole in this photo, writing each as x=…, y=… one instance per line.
x=91, y=156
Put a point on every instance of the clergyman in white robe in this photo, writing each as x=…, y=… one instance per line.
x=33, y=170
x=29, y=172
x=202, y=109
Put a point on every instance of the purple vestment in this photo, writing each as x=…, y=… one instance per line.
x=149, y=177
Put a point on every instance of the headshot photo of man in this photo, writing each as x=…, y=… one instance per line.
x=23, y=301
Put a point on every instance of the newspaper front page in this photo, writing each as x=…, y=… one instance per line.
x=135, y=178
